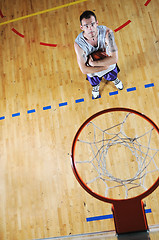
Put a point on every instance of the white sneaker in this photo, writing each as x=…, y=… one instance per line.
x=118, y=84
x=95, y=91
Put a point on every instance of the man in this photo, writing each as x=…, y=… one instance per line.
x=91, y=39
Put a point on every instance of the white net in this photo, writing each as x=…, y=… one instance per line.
x=117, y=155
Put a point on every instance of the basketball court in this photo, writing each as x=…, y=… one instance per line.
x=45, y=99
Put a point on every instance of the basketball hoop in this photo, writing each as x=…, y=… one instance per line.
x=114, y=158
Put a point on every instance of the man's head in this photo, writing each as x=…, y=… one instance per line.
x=87, y=14
x=89, y=23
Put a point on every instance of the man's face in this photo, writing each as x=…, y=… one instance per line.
x=89, y=26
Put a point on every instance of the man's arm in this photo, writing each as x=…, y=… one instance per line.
x=113, y=58
x=82, y=64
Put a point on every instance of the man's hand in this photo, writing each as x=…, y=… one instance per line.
x=97, y=63
x=84, y=66
x=90, y=61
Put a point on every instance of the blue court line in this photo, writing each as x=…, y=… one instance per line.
x=113, y=93
x=47, y=107
x=148, y=210
x=16, y=114
x=109, y=216
x=149, y=85
x=31, y=111
x=1, y=118
x=90, y=219
x=131, y=89
x=62, y=104
x=79, y=100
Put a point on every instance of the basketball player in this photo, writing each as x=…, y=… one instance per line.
x=91, y=39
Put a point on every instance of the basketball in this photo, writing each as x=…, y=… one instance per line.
x=98, y=55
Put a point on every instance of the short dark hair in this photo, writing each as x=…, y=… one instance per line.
x=87, y=14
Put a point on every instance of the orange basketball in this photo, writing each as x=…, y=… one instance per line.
x=98, y=55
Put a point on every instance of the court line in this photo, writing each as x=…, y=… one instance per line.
x=97, y=218
x=122, y=26
x=113, y=93
x=78, y=101
x=31, y=111
x=149, y=85
x=109, y=216
x=16, y=114
x=47, y=107
x=62, y=104
x=44, y=11
x=131, y=89
x=55, y=45
x=2, y=118
x=147, y=2
x=48, y=44
x=1, y=14
x=18, y=33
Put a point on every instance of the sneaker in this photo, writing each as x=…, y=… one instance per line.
x=118, y=84
x=95, y=91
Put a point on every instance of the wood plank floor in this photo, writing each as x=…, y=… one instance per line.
x=40, y=197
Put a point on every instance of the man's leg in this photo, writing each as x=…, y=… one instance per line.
x=118, y=83
x=112, y=76
x=95, y=82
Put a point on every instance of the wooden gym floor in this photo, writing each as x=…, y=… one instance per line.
x=39, y=114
